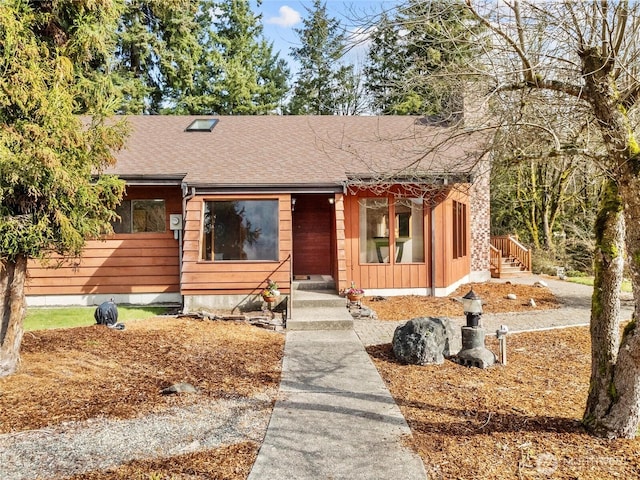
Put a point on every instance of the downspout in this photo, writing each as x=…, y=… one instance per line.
x=433, y=253
x=185, y=198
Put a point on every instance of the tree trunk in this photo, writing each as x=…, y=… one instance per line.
x=621, y=405
x=12, y=312
x=623, y=416
x=605, y=308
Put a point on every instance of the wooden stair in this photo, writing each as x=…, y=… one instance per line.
x=509, y=258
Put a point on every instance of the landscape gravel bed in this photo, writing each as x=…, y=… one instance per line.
x=75, y=447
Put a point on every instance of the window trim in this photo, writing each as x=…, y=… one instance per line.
x=392, y=227
x=459, y=230
x=131, y=217
x=202, y=245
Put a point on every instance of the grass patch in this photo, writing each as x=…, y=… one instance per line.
x=68, y=317
x=626, y=284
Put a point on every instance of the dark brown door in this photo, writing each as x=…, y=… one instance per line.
x=312, y=224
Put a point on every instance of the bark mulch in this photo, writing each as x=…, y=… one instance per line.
x=494, y=296
x=519, y=421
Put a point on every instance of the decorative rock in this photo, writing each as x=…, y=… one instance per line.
x=511, y=296
x=532, y=303
x=540, y=283
x=423, y=341
x=179, y=388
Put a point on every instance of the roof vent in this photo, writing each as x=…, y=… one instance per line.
x=202, y=125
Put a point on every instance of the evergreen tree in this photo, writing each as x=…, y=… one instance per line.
x=385, y=67
x=158, y=49
x=321, y=79
x=237, y=73
x=411, y=54
x=50, y=201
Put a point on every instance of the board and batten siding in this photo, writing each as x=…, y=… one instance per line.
x=447, y=269
x=382, y=275
x=210, y=277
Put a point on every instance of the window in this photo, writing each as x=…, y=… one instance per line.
x=202, y=125
x=240, y=230
x=407, y=243
x=459, y=230
x=409, y=229
x=138, y=216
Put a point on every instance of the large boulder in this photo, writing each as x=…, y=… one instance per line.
x=424, y=340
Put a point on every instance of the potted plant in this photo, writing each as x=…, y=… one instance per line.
x=271, y=293
x=354, y=293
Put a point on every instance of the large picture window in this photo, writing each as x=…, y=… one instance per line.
x=391, y=232
x=139, y=216
x=240, y=230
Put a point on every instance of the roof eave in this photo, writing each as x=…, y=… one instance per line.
x=240, y=188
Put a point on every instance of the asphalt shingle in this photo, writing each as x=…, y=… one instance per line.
x=292, y=150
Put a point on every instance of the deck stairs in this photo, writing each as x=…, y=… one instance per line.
x=509, y=258
x=316, y=305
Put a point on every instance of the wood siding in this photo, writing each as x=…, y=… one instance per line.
x=122, y=263
x=447, y=269
x=340, y=272
x=200, y=277
x=381, y=275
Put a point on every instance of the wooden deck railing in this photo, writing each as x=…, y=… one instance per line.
x=495, y=259
x=510, y=247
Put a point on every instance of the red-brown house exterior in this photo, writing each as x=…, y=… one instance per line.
x=339, y=202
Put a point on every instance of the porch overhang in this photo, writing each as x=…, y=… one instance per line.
x=162, y=180
x=243, y=189
x=442, y=178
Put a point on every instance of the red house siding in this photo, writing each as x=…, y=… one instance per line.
x=200, y=277
x=388, y=275
x=119, y=264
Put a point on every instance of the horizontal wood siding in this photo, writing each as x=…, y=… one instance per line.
x=381, y=276
x=200, y=277
x=122, y=263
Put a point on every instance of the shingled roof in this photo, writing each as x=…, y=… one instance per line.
x=293, y=150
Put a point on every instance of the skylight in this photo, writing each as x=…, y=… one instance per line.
x=202, y=125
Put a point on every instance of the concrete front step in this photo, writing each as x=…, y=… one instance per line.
x=320, y=318
x=319, y=310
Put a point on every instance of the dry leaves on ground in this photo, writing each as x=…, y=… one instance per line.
x=519, y=421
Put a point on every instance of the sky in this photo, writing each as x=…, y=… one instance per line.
x=281, y=17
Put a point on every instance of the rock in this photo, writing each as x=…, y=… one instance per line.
x=540, y=283
x=378, y=298
x=532, y=303
x=511, y=296
x=424, y=340
x=179, y=388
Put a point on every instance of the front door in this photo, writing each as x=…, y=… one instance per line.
x=312, y=235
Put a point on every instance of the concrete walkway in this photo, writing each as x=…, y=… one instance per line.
x=334, y=417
